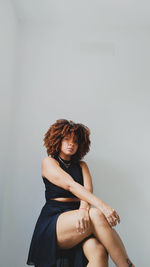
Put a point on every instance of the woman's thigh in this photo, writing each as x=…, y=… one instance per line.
x=66, y=232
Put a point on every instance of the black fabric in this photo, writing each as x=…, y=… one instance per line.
x=54, y=191
x=43, y=247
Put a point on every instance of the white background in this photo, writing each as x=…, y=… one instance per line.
x=86, y=61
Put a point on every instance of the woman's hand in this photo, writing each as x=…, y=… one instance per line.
x=83, y=220
x=111, y=215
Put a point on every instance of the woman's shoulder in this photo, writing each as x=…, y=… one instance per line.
x=82, y=163
x=47, y=162
x=48, y=159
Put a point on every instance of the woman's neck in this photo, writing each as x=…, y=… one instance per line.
x=65, y=157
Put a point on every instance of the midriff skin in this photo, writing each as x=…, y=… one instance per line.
x=64, y=199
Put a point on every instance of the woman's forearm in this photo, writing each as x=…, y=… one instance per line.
x=86, y=196
x=83, y=203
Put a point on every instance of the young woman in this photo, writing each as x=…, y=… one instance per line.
x=69, y=232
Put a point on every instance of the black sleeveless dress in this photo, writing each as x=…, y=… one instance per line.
x=43, y=251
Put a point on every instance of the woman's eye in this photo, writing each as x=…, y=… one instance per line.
x=67, y=138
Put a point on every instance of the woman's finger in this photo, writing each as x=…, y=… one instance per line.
x=85, y=223
x=116, y=216
x=81, y=225
x=78, y=225
x=89, y=223
x=111, y=219
x=114, y=221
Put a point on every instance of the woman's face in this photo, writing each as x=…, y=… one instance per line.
x=69, y=145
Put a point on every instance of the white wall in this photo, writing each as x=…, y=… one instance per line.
x=8, y=67
x=99, y=78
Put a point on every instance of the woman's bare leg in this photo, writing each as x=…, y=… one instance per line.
x=67, y=236
x=95, y=252
x=66, y=232
x=109, y=238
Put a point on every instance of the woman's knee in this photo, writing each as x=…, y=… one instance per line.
x=97, y=216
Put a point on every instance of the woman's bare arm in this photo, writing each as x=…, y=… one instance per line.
x=87, y=182
x=55, y=174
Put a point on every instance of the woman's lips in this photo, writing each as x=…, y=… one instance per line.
x=70, y=149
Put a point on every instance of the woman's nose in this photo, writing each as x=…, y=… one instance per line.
x=71, y=142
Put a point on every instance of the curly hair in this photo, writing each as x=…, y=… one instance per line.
x=53, y=137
